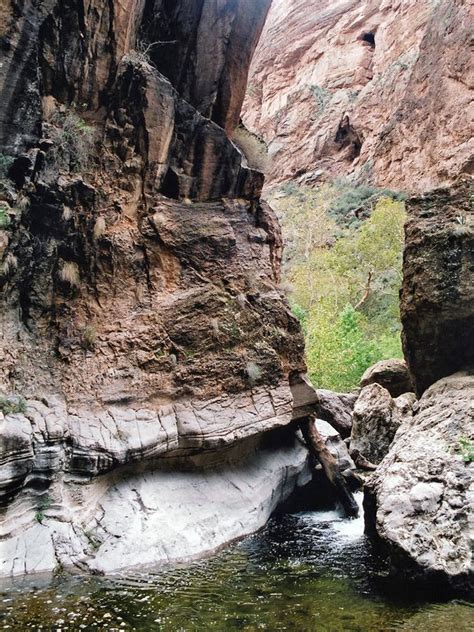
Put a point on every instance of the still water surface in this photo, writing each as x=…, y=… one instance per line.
x=311, y=571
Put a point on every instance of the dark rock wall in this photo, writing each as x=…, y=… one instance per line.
x=137, y=259
x=437, y=297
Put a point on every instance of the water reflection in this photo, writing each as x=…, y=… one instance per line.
x=310, y=571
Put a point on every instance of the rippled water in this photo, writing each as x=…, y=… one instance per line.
x=309, y=571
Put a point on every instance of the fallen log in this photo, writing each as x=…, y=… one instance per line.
x=317, y=448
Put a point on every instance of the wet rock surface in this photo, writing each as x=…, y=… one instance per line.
x=420, y=497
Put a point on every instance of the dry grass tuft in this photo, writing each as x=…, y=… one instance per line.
x=99, y=228
x=10, y=264
x=69, y=273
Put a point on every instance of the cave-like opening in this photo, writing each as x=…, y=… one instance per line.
x=369, y=38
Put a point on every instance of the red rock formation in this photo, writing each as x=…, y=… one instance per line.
x=378, y=89
x=140, y=313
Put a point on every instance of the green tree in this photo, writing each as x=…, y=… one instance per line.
x=344, y=283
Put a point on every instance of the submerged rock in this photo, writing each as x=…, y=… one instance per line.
x=377, y=417
x=420, y=499
x=391, y=374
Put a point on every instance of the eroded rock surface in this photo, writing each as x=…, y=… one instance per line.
x=140, y=515
x=336, y=409
x=437, y=298
x=140, y=314
x=381, y=90
x=391, y=374
x=376, y=419
x=421, y=495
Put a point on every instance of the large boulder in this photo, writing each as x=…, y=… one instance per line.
x=437, y=294
x=336, y=447
x=376, y=419
x=391, y=374
x=419, y=500
x=336, y=409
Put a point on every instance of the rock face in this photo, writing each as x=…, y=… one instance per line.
x=140, y=314
x=391, y=374
x=377, y=89
x=336, y=447
x=437, y=295
x=336, y=409
x=376, y=419
x=420, y=496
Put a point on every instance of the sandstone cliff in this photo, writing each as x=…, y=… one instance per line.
x=377, y=89
x=141, y=322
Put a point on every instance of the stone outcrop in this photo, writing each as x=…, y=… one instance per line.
x=141, y=318
x=336, y=409
x=337, y=448
x=391, y=374
x=376, y=419
x=437, y=295
x=420, y=497
x=375, y=89
x=142, y=513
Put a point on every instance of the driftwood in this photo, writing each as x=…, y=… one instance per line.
x=317, y=448
x=361, y=462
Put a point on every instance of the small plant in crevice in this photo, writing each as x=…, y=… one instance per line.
x=466, y=448
x=253, y=372
x=463, y=226
x=99, y=228
x=93, y=539
x=322, y=97
x=69, y=273
x=89, y=337
x=4, y=216
x=140, y=56
x=43, y=505
x=12, y=405
x=73, y=142
x=10, y=264
x=67, y=213
x=5, y=164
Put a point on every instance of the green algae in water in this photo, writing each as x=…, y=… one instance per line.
x=304, y=572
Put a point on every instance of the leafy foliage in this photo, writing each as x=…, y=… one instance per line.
x=353, y=204
x=5, y=164
x=345, y=282
x=12, y=405
x=4, y=217
x=73, y=141
x=466, y=448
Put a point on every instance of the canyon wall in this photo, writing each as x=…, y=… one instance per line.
x=142, y=328
x=379, y=90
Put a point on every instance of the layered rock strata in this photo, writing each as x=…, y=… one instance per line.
x=377, y=90
x=141, y=319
